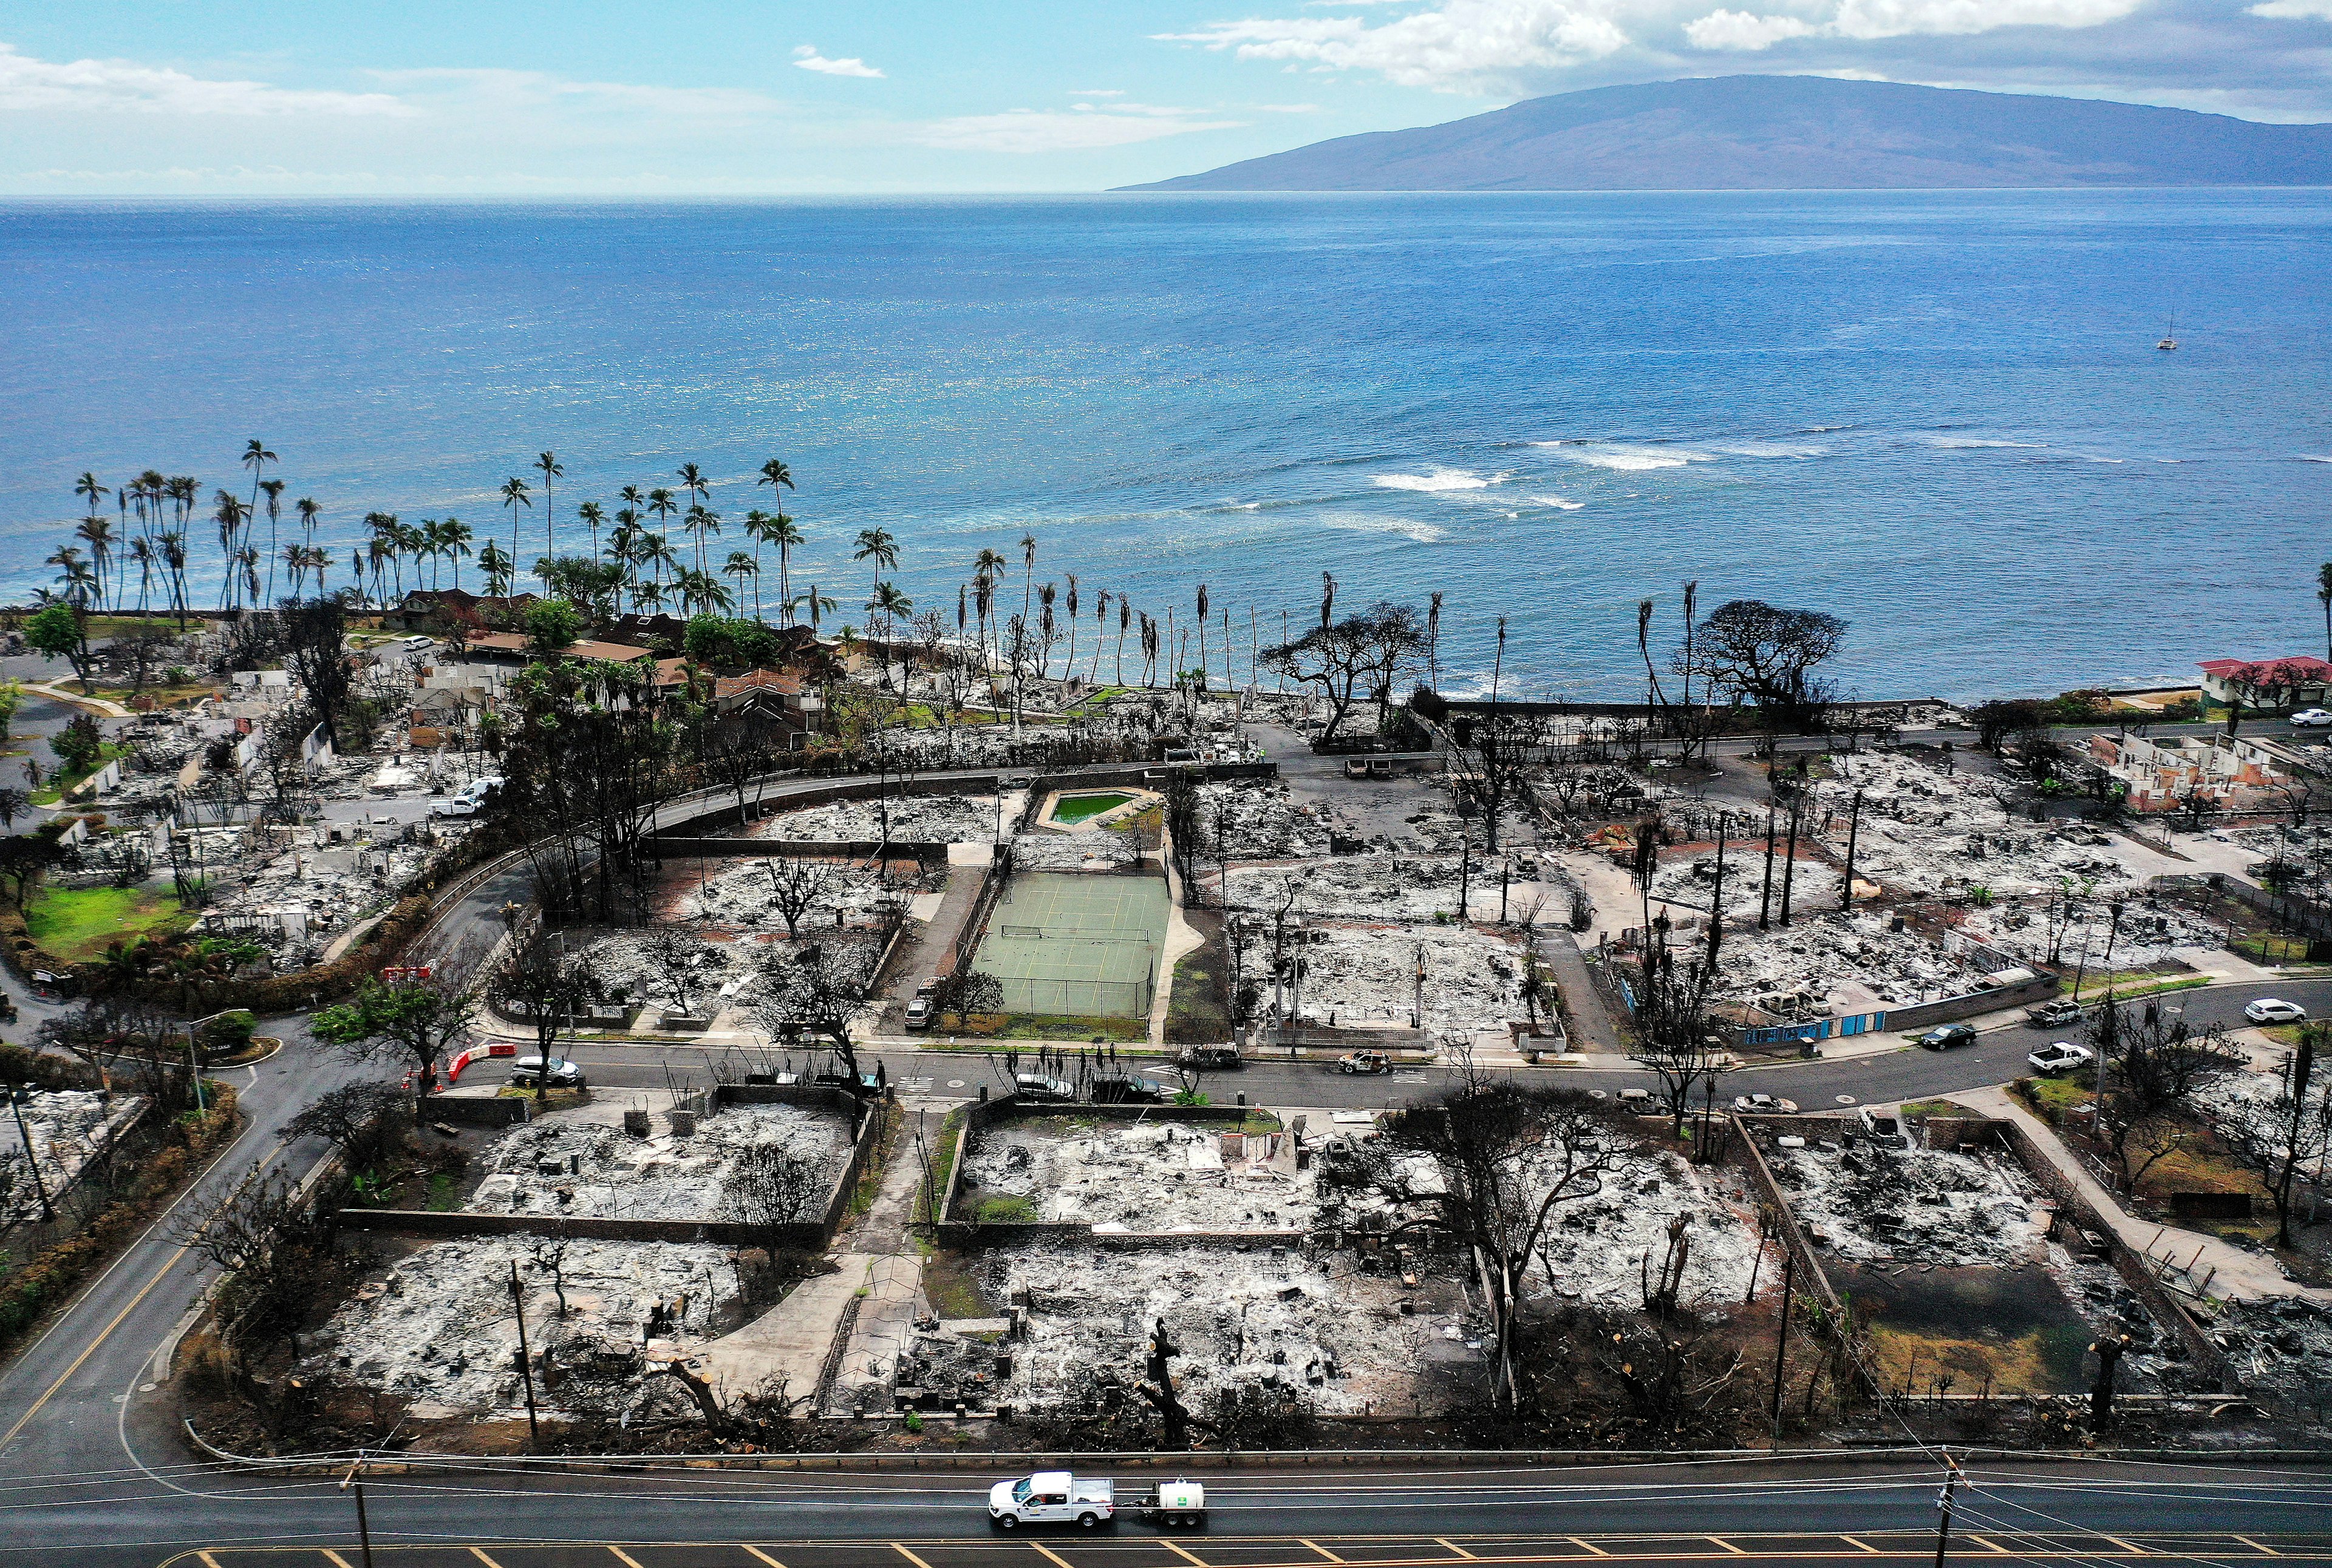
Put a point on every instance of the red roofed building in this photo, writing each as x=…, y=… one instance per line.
x=2300, y=681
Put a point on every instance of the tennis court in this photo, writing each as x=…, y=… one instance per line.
x=1078, y=943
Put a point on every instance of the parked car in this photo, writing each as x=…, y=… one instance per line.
x=2312, y=719
x=1765, y=1104
x=1364, y=1062
x=2271, y=1010
x=1125, y=1089
x=472, y=799
x=563, y=1073
x=1038, y=1086
x=2063, y=1057
x=1949, y=1036
x=1210, y=1057
x=2055, y=1015
x=919, y=1012
x=1052, y=1497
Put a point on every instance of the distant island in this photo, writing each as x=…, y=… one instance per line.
x=1794, y=133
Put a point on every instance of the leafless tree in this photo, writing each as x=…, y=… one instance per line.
x=547, y=986
x=796, y=885
x=817, y=990
x=368, y=1124
x=674, y=957
x=770, y=1188
x=1674, y=1040
x=2277, y=1138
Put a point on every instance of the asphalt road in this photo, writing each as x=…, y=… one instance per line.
x=2090, y=1513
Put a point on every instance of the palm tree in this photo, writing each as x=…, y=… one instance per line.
x=2324, y=597
x=700, y=521
x=1028, y=572
x=816, y=603
x=1069, y=599
x=1202, y=636
x=986, y=570
x=693, y=482
x=650, y=594
x=655, y=553
x=319, y=562
x=740, y=567
x=514, y=495
x=875, y=544
x=174, y=556
x=498, y=566
x=1101, y=625
x=777, y=477
x=592, y=517
x=96, y=530
x=425, y=548
x=141, y=550
x=661, y=502
x=407, y=539
x=74, y=573
x=547, y=464
x=249, y=555
x=781, y=531
x=454, y=543
x=295, y=566
x=707, y=593
x=273, y=488
x=255, y=457
x=229, y=515
x=890, y=604
x=624, y=546
x=382, y=526
x=1125, y=619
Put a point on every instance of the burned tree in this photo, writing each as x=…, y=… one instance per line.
x=1766, y=657
x=367, y=1124
x=797, y=886
x=315, y=653
x=547, y=986
x=1674, y=1042
x=2151, y=1065
x=814, y=992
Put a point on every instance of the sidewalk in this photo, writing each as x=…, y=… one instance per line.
x=2232, y=1270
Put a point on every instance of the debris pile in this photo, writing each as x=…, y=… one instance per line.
x=743, y=894
x=1603, y=1251
x=914, y=819
x=1045, y=849
x=1363, y=975
x=1154, y=1176
x=573, y=1163
x=1376, y=886
x=438, y=1328
x=1846, y=963
x=1260, y=821
x=68, y=1128
x=1872, y=1200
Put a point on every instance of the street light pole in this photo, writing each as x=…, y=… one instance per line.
x=525, y=1362
x=364, y=1525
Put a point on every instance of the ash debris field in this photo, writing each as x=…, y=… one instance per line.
x=68, y=1128
x=1951, y=1255
x=580, y=1163
x=1357, y=976
x=1601, y=1250
x=1154, y=1176
x=1260, y=820
x=1313, y=1327
x=743, y=895
x=914, y=819
x=1052, y=849
x=437, y=1327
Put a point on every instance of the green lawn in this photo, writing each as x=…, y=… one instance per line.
x=76, y=924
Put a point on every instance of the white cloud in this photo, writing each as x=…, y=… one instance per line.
x=1723, y=29
x=523, y=90
x=1456, y=46
x=1040, y=131
x=1097, y=92
x=807, y=57
x=1288, y=108
x=114, y=86
x=2295, y=10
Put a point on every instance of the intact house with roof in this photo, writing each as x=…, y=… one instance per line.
x=2297, y=681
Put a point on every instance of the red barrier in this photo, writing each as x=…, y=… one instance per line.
x=498, y=1049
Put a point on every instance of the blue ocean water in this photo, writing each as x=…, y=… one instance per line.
x=1939, y=415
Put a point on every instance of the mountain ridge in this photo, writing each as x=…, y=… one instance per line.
x=1793, y=133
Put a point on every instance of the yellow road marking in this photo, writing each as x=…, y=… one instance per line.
x=1990, y=1547
x=2129, y=1546
x=1589, y=1546
x=910, y=1556
x=1454, y=1547
x=336, y=1560
x=762, y=1556
x=625, y=1558
x=208, y=1561
x=1189, y=1558
x=1050, y=1556
x=1852, y=1542
x=1323, y=1552
x=1728, y=1545
x=480, y=1553
x=2255, y=1547
x=171, y=1263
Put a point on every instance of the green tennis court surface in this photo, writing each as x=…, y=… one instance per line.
x=1082, y=944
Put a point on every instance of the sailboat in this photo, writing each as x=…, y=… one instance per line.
x=2170, y=338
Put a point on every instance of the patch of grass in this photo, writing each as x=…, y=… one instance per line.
x=60, y=785
x=444, y=1193
x=2271, y=949
x=76, y=924
x=1004, y=1210
x=1067, y=1026
x=1198, y=1011
x=944, y=1152
x=2055, y=1098
x=952, y=1288
x=1933, y=1108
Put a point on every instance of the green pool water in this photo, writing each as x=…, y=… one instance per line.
x=1085, y=808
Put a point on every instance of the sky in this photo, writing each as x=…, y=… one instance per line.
x=757, y=98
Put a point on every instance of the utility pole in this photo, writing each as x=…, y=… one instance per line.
x=1717, y=898
x=364, y=1527
x=1765, y=898
x=1944, y=1510
x=16, y=1092
x=1853, y=832
x=525, y=1362
x=1782, y=1343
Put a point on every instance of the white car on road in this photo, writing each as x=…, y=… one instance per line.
x=2063, y=1057
x=2312, y=719
x=1052, y=1497
x=2269, y=1011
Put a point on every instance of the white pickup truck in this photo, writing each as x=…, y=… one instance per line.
x=1052, y=1497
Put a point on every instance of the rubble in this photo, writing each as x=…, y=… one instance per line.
x=1315, y=1326
x=1875, y=1201
x=1355, y=976
x=1152, y=1176
x=1848, y=963
x=914, y=819
x=68, y=1128
x=739, y=895
x=1380, y=887
x=1045, y=849
x=576, y=1163
x=437, y=1327
x=1602, y=1250
x=1260, y=821
x=1925, y=833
